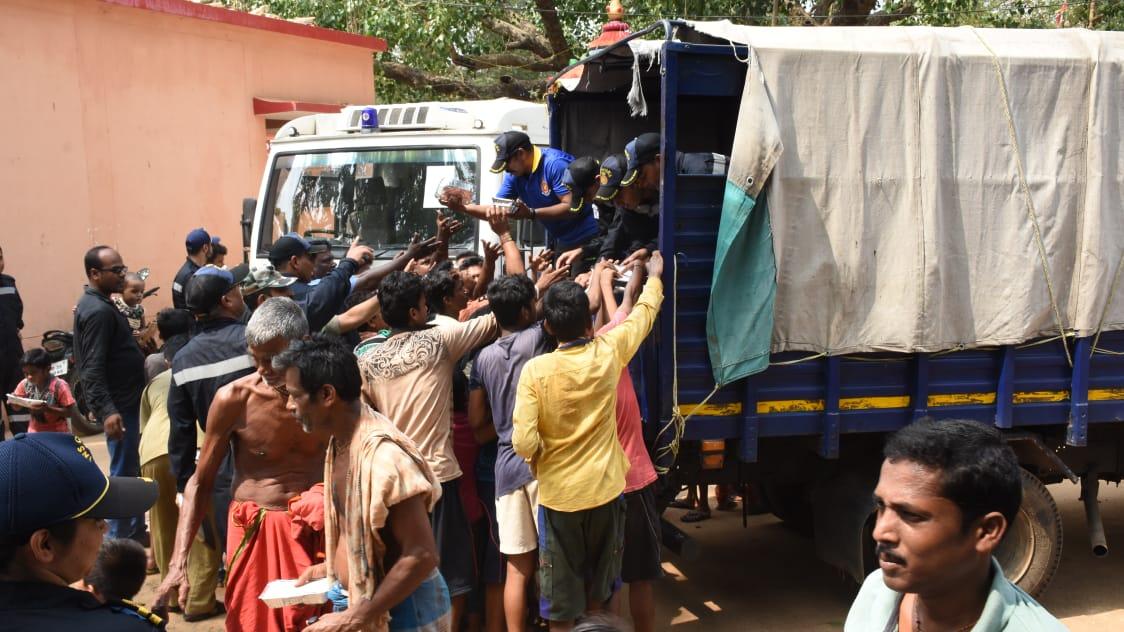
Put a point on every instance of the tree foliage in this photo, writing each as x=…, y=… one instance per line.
x=447, y=49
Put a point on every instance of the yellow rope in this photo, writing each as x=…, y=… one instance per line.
x=799, y=360
x=1026, y=192
x=678, y=422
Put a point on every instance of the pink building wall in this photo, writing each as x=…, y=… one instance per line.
x=130, y=122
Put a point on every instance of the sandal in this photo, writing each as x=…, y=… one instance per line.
x=695, y=516
x=681, y=504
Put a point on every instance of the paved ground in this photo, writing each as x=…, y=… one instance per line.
x=768, y=578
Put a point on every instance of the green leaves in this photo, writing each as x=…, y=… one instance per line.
x=423, y=34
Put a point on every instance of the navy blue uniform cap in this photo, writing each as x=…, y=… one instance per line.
x=611, y=174
x=578, y=177
x=287, y=247
x=50, y=477
x=639, y=152
x=507, y=144
x=196, y=239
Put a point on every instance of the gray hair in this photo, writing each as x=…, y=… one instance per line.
x=278, y=317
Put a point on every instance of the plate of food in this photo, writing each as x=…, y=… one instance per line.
x=26, y=402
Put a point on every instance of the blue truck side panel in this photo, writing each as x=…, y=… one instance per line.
x=1011, y=387
x=826, y=398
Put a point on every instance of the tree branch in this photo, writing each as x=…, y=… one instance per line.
x=507, y=60
x=420, y=79
x=491, y=88
x=552, y=26
x=522, y=36
x=852, y=12
x=886, y=16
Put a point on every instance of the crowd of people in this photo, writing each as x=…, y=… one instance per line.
x=430, y=442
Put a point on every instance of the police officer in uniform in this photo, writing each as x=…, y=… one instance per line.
x=11, y=348
x=54, y=501
x=199, y=248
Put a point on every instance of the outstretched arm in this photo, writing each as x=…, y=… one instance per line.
x=228, y=407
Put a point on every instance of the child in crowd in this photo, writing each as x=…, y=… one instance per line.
x=128, y=302
x=55, y=405
x=119, y=571
x=218, y=253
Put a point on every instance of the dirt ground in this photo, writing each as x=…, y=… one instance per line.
x=767, y=577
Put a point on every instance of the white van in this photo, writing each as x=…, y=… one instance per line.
x=337, y=176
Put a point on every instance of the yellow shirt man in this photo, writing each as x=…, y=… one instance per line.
x=565, y=412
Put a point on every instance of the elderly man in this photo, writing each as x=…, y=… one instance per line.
x=275, y=523
x=112, y=368
x=946, y=494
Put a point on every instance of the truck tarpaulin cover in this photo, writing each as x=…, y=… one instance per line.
x=928, y=189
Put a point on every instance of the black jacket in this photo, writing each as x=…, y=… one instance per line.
x=110, y=362
x=214, y=357
x=180, y=282
x=632, y=230
x=325, y=299
x=49, y=608
x=11, y=317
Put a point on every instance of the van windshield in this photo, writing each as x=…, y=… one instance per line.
x=382, y=196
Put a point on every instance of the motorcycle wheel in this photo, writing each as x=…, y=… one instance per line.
x=85, y=426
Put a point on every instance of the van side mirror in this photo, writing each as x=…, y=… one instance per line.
x=249, y=205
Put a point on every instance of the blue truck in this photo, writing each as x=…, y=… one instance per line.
x=803, y=437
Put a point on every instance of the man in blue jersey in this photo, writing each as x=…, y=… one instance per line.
x=534, y=179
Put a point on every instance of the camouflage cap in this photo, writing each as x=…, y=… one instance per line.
x=262, y=275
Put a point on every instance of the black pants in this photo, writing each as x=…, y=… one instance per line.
x=10, y=375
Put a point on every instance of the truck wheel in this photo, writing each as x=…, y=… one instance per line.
x=1032, y=548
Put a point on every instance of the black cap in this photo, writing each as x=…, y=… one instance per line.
x=639, y=151
x=287, y=247
x=611, y=174
x=317, y=246
x=50, y=477
x=507, y=144
x=579, y=176
x=206, y=288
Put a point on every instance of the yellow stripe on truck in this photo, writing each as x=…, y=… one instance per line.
x=893, y=401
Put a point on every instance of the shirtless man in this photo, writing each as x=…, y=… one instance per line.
x=377, y=525
x=278, y=470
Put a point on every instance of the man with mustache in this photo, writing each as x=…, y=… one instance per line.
x=946, y=495
x=112, y=368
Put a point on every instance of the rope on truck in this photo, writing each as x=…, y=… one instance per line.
x=678, y=422
x=1031, y=213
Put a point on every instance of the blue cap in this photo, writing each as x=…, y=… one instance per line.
x=611, y=174
x=287, y=247
x=50, y=477
x=206, y=288
x=196, y=239
x=579, y=176
x=216, y=240
x=640, y=151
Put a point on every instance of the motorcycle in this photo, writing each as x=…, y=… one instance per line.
x=59, y=346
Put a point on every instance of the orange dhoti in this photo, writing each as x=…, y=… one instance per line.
x=268, y=544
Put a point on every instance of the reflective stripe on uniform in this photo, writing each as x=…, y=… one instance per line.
x=216, y=369
x=176, y=287
x=7, y=290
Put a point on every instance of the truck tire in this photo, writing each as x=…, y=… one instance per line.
x=1032, y=548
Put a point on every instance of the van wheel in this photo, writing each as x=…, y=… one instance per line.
x=1032, y=548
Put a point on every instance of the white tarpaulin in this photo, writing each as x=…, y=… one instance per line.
x=939, y=187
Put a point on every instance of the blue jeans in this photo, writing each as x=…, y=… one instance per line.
x=124, y=460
